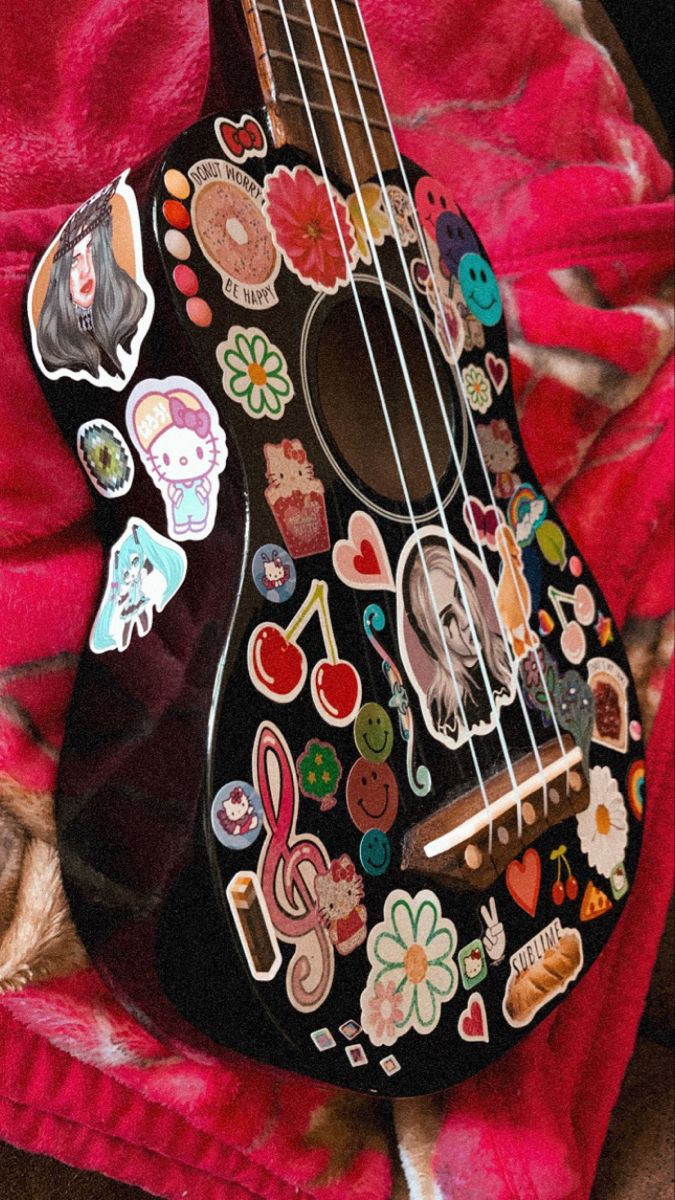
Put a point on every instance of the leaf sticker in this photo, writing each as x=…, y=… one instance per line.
x=552, y=544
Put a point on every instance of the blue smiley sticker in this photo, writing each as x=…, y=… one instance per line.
x=375, y=852
x=478, y=283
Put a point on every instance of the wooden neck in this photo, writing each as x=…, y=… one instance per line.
x=278, y=78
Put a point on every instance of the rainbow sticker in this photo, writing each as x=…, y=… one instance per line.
x=527, y=509
x=635, y=786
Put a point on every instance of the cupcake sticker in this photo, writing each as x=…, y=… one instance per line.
x=232, y=232
x=296, y=498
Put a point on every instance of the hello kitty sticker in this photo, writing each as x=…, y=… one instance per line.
x=236, y=815
x=175, y=428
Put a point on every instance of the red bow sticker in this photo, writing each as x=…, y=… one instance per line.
x=245, y=140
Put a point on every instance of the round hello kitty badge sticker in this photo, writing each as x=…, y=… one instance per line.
x=175, y=428
x=236, y=815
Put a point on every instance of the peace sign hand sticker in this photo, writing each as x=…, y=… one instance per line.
x=494, y=938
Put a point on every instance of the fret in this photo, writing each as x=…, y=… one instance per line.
x=280, y=46
x=287, y=98
x=306, y=65
x=323, y=29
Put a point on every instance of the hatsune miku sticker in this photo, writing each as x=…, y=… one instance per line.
x=453, y=647
x=241, y=140
x=144, y=573
x=106, y=458
x=175, y=428
x=230, y=227
x=236, y=815
x=89, y=303
x=274, y=573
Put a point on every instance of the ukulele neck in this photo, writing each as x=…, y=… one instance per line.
x=277, y=61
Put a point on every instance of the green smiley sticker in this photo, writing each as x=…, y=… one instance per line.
x=374, y=733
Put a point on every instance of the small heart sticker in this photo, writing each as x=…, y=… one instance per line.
x=523, y=880
x=498, y=371
x=361, y=561
x=473, y=1024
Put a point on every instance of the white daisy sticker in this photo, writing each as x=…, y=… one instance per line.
x=603, y=826
x=412, y=968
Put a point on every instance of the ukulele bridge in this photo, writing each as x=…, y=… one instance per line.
x=467, y=844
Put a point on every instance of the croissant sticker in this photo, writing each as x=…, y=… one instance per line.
x=89, y=303
x=541, y=970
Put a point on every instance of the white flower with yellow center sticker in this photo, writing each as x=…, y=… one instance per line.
x=603, y=826
x=255, y=373
x=412, y=968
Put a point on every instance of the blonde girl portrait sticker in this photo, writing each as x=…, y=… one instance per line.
x=89, y=304
x=175, y=428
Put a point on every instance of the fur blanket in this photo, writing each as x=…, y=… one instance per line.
x=514, y=105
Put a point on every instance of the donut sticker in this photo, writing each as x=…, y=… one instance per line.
x=89, y=303
x=232, y=232
x=243, y=140
x=175, y=428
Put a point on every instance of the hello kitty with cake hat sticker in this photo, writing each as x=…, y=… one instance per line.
x=175, y=428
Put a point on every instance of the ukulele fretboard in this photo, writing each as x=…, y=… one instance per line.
x=284, y=38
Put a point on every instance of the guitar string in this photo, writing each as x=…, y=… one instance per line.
x=417, y=417
x=383, y=403
x=510, y=653
x=440, y=310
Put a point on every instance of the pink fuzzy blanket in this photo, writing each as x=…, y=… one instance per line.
x=514, y=105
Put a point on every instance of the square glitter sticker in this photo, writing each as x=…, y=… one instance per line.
x=350, y=1030
x=390, y=1065
x=357, y=1056
x=323, y=1040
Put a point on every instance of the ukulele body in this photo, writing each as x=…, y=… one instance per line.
x=303, y=671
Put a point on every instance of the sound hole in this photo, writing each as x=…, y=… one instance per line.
x=350, y=404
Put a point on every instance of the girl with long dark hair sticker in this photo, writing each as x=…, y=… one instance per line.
x=90, y=305
x=447, y=616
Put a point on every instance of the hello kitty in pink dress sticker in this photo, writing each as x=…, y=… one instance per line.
x=175, y=428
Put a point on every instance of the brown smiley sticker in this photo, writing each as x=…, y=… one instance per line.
x=372, y=796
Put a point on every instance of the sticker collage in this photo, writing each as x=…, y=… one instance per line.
x=386, y=886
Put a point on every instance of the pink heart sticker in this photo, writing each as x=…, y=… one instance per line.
x=497, y=370
x=473, y=1024
x=361, y=561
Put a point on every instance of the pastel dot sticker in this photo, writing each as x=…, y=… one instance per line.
x=177, y=244
x=635, y=786
x=185, y=280
x=176, y=214
x=375, y=852
x=576, y=566
x=176, y=184
x=199, y=312
x=635, y=731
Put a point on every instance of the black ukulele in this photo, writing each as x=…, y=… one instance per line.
x=352, y=779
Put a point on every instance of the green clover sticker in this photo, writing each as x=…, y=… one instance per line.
x=255, y=373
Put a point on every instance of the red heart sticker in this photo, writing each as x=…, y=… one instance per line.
x=473, y=1026
x=523, y=880
x=497, y=370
